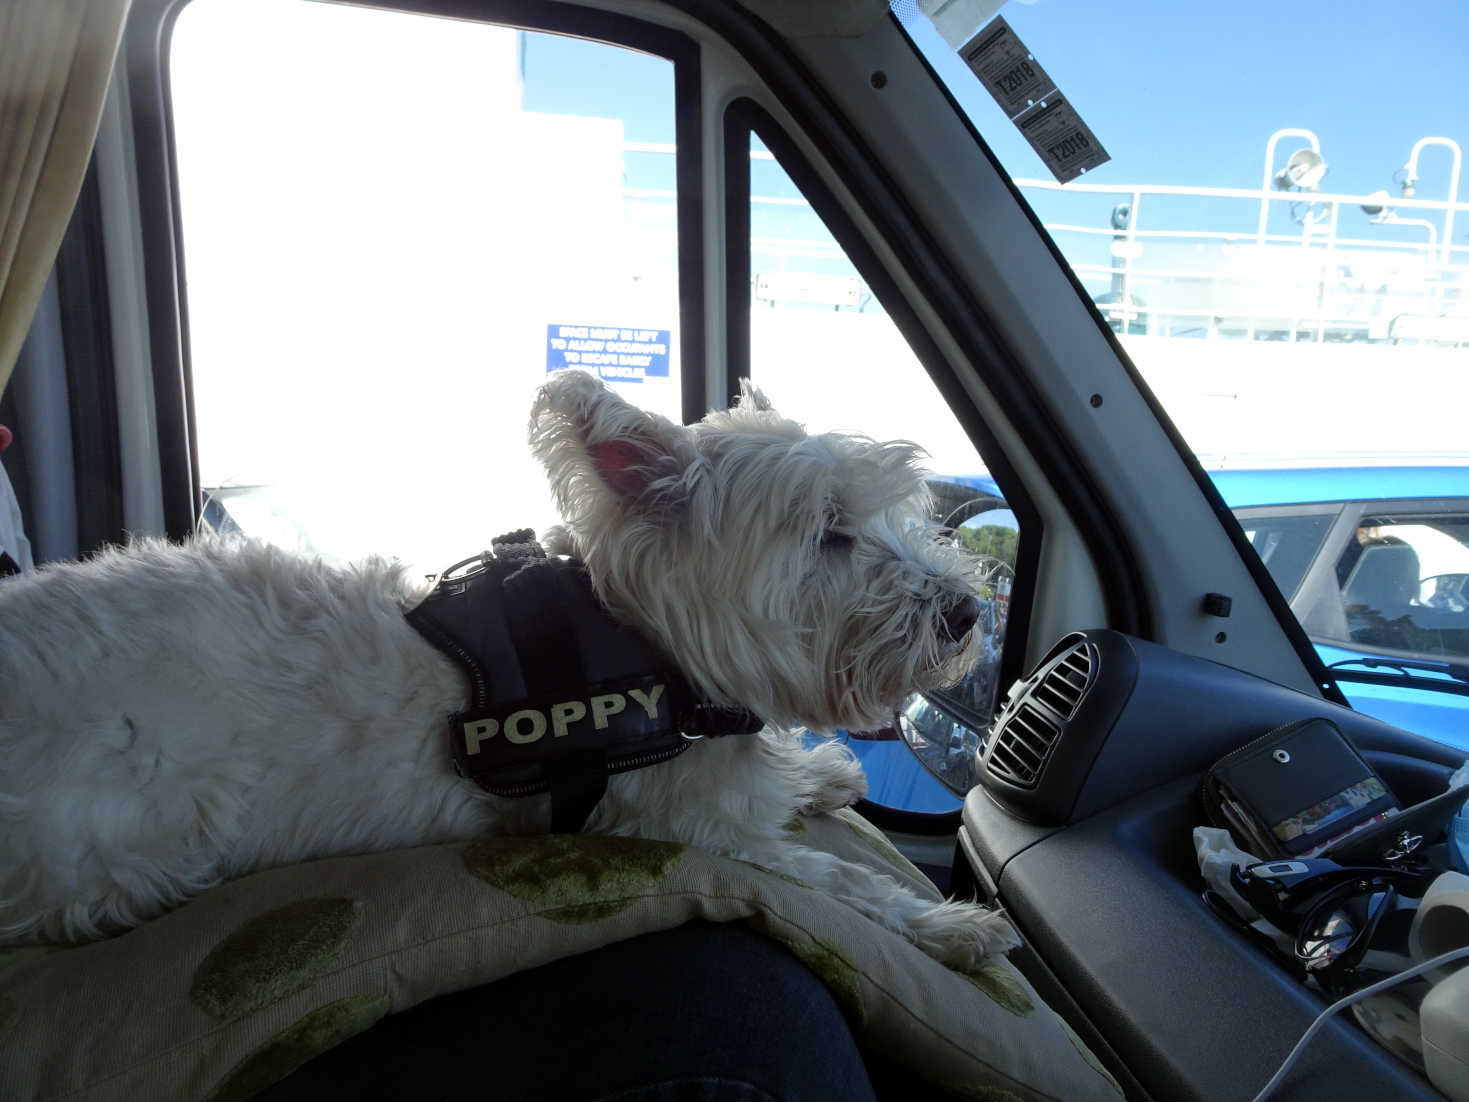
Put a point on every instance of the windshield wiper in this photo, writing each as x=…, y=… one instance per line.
x=1458, y=672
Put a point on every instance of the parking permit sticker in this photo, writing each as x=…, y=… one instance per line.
x=1067, y=145
x=1030, y=99
x=1006, y=68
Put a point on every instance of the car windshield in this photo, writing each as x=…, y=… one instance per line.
x=1277, y=234
x=1266, y=210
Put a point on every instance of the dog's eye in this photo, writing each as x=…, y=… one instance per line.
x=835, y=541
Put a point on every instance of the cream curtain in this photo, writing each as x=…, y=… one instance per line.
x=55, y=63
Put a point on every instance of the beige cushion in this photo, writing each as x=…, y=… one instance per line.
x=231, y=992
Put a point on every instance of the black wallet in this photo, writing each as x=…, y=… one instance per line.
x=1405, y=833
x=1297, y=791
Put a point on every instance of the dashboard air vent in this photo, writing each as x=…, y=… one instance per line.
x=1030, y=728
x=1062, y=687
x=1022, y=745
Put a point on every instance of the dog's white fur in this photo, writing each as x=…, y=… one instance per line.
x=173, y=717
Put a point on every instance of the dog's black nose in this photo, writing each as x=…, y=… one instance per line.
x=961, y=618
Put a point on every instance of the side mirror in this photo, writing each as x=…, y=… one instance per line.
x=946, y=728
x=945, y=741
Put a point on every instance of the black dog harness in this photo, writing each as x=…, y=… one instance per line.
x=562, y=694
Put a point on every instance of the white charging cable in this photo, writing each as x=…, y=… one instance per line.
x=1341, y=1004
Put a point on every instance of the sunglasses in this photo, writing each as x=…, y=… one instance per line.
x=1336, y=932
x=1332, y=911
x=1283, y=892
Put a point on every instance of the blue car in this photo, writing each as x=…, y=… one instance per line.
x=1374, y=563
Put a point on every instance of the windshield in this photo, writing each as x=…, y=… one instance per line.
x=1264, y=204
x=1278, y=236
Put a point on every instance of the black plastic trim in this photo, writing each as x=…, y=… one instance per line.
x=1413, y=506
x=908, y=822
x=689, y=180
x=737, y=132
x=1062, y=775
x=744, y=117
x=1197, y=1012
x=1053, y=993
x=1140, y=954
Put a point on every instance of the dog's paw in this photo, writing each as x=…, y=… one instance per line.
x=843, y=792
x=964, y=935
x=836, y=780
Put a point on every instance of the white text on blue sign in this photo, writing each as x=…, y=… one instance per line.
x=617, y=354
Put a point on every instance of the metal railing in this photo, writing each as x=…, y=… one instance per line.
x=1317, y=282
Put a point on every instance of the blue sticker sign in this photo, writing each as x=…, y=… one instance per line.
x=617, y=355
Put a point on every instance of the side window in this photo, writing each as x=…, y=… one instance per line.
x=821, y=344
x=1405, y=585
x=394, y=227
x=813, y=317
x=1286, y=543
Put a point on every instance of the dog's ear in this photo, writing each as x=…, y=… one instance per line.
x=628, y=449
x=627, y=467
x=752, y=397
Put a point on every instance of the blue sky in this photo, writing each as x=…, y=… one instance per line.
x=569, y=76
x=1178, y=92
x=1182, y=92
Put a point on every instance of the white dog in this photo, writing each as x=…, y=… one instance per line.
x=173, y=717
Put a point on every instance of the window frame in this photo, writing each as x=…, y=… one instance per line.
x=146, y=54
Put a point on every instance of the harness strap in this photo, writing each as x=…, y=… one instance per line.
x=541, y=619
x=562, y=694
